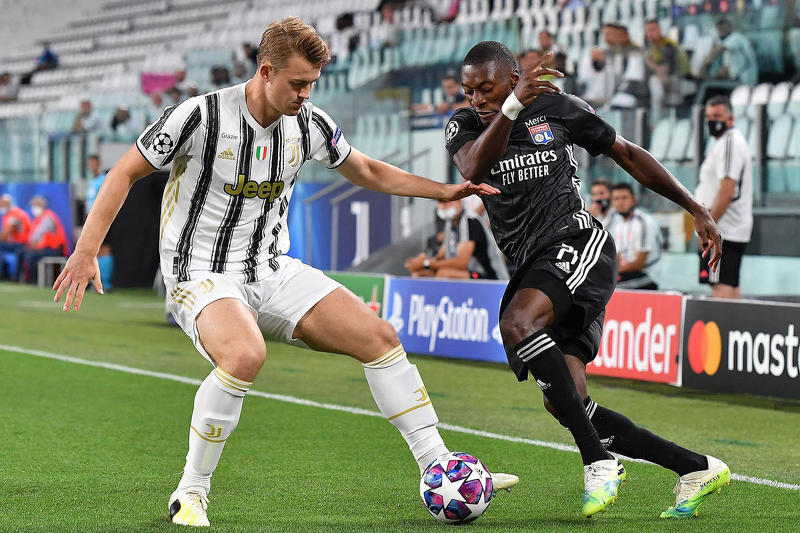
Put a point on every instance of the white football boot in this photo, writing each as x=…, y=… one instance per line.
x=693, y=488
x=187, y=507
x=501, y=481
x=602, y=480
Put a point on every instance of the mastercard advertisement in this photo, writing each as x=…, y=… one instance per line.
x=641, y=337
x=742, y=347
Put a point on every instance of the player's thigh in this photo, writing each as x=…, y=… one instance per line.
x=229, y=333
x=342, y=323
x=528, y=310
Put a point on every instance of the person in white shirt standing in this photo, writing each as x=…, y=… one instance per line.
x=725, y=187
x=236, y=154
x=638, y=240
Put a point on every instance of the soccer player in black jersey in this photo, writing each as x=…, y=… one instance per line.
x=518, y=136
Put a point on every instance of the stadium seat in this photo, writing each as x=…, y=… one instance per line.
x=759, y=96
x=740, y=98
x=660, y=138
x=777, y=145
x=793, y=107
x=680, y=135
x=778, y=99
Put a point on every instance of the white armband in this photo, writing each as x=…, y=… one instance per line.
x=512, y=107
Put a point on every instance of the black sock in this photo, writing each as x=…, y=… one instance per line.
x=546, y=362
x=620, y=435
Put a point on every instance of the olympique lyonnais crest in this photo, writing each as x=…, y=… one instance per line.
x=541, y=133
x=261, y=153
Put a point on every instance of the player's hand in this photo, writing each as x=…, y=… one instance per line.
x=710, y=239
x=79, y=270
x=467, y=188
x=530, y=86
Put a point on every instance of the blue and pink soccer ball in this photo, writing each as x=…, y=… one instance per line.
x=456, y=488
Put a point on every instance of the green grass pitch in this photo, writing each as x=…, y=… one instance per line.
x=96, y=449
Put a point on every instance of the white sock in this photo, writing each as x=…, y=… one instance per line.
x=401, y=396
x=217, y=406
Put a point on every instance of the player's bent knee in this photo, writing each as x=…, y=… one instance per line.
x=387, y=335
x=514, y=329
x=243, y=361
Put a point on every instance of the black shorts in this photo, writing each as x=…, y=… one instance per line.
x=728, y=269
x=578, y=274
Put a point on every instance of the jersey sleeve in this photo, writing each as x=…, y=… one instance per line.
x=585, y=128
x=328, y=145
x=732, y=162
x=172, y=135
x=461, y=128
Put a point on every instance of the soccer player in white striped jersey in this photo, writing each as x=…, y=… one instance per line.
x=235, y=156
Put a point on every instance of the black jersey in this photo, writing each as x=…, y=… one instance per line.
x=540, y=199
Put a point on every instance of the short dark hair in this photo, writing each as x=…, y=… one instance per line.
x=724, y=22
x=602, y=183
x=652, y=21
x=450, y=75
x=546, y=32
x=94, y=156
x=720, y=100
x=623, y=187
x=490, y=52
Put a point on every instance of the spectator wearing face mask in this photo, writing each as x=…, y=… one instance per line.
x=601, y=207
x=638, y=240
x=16, y=225
x=725, y=187
x=597, y=79
x=468, y=250
x=47, y=238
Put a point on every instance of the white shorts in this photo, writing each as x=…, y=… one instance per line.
x=277, y=302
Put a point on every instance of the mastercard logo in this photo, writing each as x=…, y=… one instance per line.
x=705, y=347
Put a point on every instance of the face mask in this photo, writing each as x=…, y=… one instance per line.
x=625, y=214
x=447, y=214
x=604, y=203
x=598, y=65
x=37, y=211
x=3, y=211
x=717, y=127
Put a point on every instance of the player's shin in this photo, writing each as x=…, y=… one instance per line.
x=620, y=435
x=400, y=394
x=217, y=406
x=546, y=362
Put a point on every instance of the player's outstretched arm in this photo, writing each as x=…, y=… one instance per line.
x=81, y=267
x=475, y=158
x=645, y=169
x=370, y=173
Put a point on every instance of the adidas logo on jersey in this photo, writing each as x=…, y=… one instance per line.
x=227, y=154
x=542, y=385
x=563, y=265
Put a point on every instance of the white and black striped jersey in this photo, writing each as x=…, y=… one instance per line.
x=224, y=208
x=540, y=200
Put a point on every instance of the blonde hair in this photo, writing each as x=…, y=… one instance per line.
x=290, y=36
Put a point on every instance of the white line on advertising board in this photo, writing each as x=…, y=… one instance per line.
x=344, y=408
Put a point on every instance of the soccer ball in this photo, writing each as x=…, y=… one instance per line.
x=162, y=144
x=456, y=488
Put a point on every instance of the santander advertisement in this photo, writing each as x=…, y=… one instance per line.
x=641, y=337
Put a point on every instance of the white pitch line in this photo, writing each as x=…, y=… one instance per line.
x=347, y=409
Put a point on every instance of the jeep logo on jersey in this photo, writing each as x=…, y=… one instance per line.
x=261, y=153
x=266, y=190
x=541, y=134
